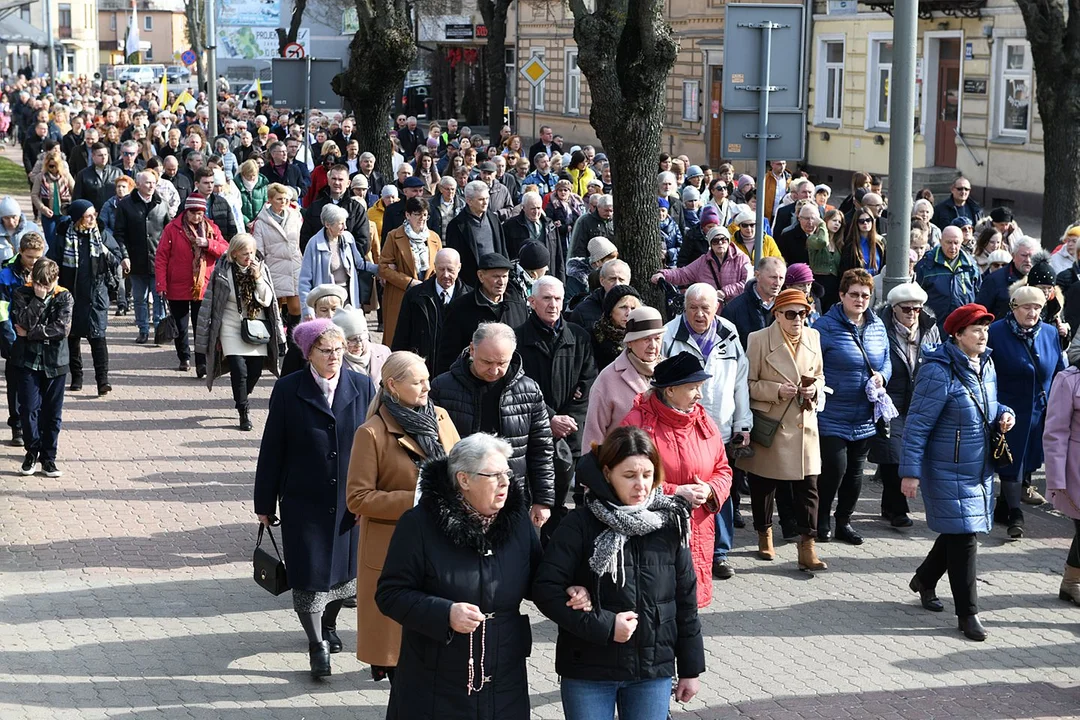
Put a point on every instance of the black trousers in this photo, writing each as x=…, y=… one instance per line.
x=954, y=554
x=99, y=353
x=244, y=373
x=180, y=310
x=841, y=477
x=893, y=502
x=805, y=492
x=1074, y=551
x=11, y=378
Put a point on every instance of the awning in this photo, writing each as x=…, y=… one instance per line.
x=16, y=31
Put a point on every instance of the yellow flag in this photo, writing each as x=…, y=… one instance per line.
x=184, y=99
x=258, y=89
x=164, y=89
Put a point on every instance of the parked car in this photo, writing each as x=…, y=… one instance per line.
x=142, y=74
x=177, y=73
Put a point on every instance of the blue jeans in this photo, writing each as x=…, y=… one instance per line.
x=41, y=405
x=597, y=699
x=142, y=288
x=48, y=229
x=725, y=531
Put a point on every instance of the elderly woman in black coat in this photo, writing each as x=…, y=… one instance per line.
x=458, y=567
x=911, y=327
x=87, y=255
x=302, y=469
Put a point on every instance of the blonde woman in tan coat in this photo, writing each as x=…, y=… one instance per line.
x=403, y=430
x=787, y=383
x=407, y=258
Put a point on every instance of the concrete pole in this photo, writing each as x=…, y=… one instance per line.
x=211, y=71
x=901, y=140
x=51, y=49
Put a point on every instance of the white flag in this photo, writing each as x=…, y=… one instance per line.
x=132, y=45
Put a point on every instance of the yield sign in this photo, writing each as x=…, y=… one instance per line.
x=535, y=71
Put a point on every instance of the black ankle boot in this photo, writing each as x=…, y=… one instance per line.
x=319, y=654
x=331, y=637
x=971, y=627
x=245, y=421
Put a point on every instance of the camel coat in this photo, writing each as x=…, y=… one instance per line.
x=794, y=453
x=382, y=486
x=397, y=251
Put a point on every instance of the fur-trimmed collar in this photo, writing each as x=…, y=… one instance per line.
x=440, y=496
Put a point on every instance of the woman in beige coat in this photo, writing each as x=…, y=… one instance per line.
x=277, y=237
x=787, y=382
x=403, y=429
x=406, y=259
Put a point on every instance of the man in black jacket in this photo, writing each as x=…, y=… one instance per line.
x=558, y=355
x=218, y=209
x=531, y=225
x=33, y=146
x=141, y=217
x=73, y=139
x=394, y=217
x=752, y=311
x=278, y=168
x=475, y=232
x=97, y=183
x=489, y=302
x=591, y=308
x=170, y=173
x=546, y=144
x=337, y=193
x=792, y=242
x=81, y=156
x=486, y=390
x=424, y=306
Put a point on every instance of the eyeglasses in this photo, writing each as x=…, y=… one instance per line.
x=330, y=352
x=502, y=477
x=720, y=240
x=792, y=314
x=748, y=225
x=858, y=296
x=866, y=221
x=963, y=189
x=910, y=309
x=129, y=153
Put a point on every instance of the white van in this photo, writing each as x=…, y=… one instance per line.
x=141, y=74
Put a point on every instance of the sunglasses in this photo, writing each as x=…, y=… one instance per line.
x=911, y=309
x=866, y=221
x=792, y=314
x=963, y=189
x=748, y=225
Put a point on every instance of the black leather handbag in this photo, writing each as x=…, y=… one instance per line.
x=270, y=571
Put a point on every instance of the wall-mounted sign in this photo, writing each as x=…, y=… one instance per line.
x=974, y=87
x=455, y=31
x=481, y=31
x=969, y=51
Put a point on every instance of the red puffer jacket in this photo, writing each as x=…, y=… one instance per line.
x=691, y=449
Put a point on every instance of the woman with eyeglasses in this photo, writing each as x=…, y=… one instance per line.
x=303, y=463
x=403, y=430
x=912, y=331
x=863, y=247
x=855, y=357
x=720, y=198
x=723, y=267
x=786, y=389
x=742, y=230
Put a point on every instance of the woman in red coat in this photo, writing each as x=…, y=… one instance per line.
x=691, y=450
x=189, y=247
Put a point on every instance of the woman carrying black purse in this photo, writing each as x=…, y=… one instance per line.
x=242, y=331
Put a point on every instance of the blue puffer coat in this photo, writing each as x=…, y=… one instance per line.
x=946, y=443
x=1025, y=377
x=848, y=413
x=947, y=288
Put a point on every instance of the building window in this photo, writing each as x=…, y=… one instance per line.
x=877, y=110
x=112, y=22
x=148, y=53
x=510, y=60
x=573, y=83
x=1014, y=89
x=148, y=23
x=24, y=12
x=691, y=99
x=536, y=93
x=829, y=95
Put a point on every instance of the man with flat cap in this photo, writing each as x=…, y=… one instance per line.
x=489, y=302
x=394, y=217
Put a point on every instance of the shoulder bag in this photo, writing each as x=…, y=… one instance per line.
x=1000, y=452
x=764, y=431
x=881, y=427
x=253, y=331
x=269, y=569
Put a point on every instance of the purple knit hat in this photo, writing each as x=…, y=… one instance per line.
x=306, y=333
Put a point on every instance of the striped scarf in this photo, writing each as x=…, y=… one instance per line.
x=71, y=244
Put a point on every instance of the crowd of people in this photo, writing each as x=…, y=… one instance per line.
x=530, y=427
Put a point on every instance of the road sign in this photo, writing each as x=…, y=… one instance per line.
x=293, y=51
x=535, y=71
x=786, y=135
x=188, y=58
x=743, y=67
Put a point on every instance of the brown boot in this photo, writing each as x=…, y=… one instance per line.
x=1070, y=585
x=808, y=559
x=765, y=548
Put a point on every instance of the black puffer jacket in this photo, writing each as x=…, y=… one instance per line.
x=524, y=420
x=438, y=556
x=660, y=587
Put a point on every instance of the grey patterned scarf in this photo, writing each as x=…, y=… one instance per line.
x=624, y=521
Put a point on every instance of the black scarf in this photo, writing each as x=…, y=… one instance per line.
x=419, y=424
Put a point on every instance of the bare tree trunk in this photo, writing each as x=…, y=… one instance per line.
x=494, y=13
x=195, y=14
x=380, y=55
x=626, y=50
x=1055, y=49
x=289, y=36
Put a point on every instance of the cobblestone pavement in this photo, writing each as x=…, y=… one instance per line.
x=125, y=593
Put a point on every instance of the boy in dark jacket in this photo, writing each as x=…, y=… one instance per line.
x=14, y=274
x=41, y=316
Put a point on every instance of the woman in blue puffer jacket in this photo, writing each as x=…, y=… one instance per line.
x=947, y=449
x=846, y=425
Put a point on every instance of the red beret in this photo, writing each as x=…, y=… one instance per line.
x=966, y=315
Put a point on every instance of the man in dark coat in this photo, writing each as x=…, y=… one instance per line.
x=73, y=139
x=486, y=390
x=591, y=308
x=337, y=193
x=82, y=155
x=394, y=217
x=531, y=225
x=97, y=183
x=170, y=172
x=446, y=197
x=958, y=204
x=499, y=201
x=594, y=223
x=546, y=144
x=141, y=217
x=424, y=306
x=799, y=189
x=218, y=209
x=344, y=135
x=792, y=242
x=994, y=292
x=278, y=168
x=752, y=311
x=558, y=355
x=489, y=302
x=33, y=146
x=475, y=232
